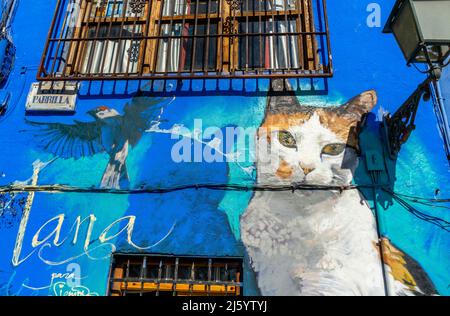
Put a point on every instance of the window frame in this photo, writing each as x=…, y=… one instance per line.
x=86, y=21
x=121, y=283
x=311, y=63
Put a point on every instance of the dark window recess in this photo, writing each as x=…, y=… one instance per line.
x=162, y=39
x=176, y=276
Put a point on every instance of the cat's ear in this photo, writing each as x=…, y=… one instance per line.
x=361, y=104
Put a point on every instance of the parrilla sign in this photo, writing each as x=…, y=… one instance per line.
x=60, y=97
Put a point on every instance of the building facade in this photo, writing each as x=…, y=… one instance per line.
x=182, y=147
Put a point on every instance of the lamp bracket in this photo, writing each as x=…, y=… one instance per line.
x=400, y=125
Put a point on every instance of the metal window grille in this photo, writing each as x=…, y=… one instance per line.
x=186, y=39
x=142, y=275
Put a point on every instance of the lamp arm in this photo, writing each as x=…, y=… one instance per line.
x=400, y=125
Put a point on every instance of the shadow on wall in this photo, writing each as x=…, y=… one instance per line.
x=373, y=147
x=197, y=87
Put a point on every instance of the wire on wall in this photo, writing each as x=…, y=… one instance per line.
x=400, y=198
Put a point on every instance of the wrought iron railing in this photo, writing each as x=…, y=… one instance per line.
x=162, y=275
x=163, y=39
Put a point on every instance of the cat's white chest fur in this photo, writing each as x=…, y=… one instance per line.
x=312, y=243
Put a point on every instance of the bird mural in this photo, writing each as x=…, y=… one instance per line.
x=110, y=132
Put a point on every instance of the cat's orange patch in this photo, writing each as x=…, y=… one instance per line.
x=344, y=128
x=279, y=122
x=284, y=121
x=395, y=259
x=284, y=170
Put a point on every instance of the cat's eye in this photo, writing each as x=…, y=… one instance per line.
x=286, y=139
x=333, y=149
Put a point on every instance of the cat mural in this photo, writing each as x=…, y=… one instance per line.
x=318, y=242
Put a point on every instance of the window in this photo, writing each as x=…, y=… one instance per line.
x=178, y=276
x=143, y=39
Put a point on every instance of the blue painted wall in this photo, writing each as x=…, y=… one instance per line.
x=197, y=222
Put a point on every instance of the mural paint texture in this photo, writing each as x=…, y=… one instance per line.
x=129, y=173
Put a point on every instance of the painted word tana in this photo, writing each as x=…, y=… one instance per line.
x=52, y=237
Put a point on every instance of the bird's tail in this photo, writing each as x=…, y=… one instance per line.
x=116, y=173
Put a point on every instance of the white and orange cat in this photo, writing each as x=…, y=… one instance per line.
x=317, y=242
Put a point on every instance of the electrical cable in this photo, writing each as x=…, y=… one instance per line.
x=145, y=190
x=431, y=204
x=212, y=186
x=417, y=198
x=400, y=198
x=231, y=187
x=439, y=222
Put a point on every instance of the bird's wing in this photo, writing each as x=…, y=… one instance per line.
x=76, y=140
x=144, y=106
x=139, y=115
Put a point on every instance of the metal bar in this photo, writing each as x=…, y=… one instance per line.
x=167, y=76
x=170, y=42
x=127, y=275
x=145, y=41
x=76, y=58
x=102, y=20
x=209, y=275
x=63, y=27
x=136, y=280
x=184, y=27
x=143, y=273
x=313, y=39
x=304, y=37
x=300, y=47
x=175, y=277
x=47, y=43
x=206, y=51
x=110, y=26
x=156, y=52
x=247, y=24
x=194, y=42
x=327, y=31
x=220, y=46
x=261, y=38
x=287, y=37
x=185, y=36
x=159, y=277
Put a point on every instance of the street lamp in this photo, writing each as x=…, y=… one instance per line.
x=422, y=30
